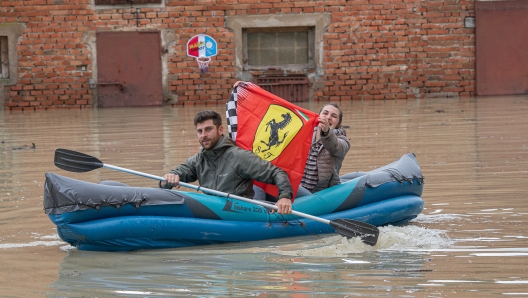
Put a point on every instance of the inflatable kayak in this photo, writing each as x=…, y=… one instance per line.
x=116, y=217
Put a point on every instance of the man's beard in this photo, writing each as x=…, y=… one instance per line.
x=211, y=145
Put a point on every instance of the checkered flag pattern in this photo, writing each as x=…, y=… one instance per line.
x=231, y=115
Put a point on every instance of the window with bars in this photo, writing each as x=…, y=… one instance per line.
x=278, y=47
x=4, y=58
x=292, y=88
x=114, y=2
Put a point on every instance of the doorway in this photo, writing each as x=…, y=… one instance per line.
x=501, y=42
x=129, y=69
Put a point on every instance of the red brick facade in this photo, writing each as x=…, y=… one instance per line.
x=373, y=49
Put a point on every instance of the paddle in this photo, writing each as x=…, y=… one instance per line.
x=79, y=162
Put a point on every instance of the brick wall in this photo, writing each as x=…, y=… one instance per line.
x=381, y=49
x=373, y=49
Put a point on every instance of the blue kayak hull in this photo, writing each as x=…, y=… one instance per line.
x=148, y=232
x=121, y=218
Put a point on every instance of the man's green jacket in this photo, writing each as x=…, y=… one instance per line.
x=231, y=169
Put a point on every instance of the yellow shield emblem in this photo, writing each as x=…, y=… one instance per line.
x=276, y=130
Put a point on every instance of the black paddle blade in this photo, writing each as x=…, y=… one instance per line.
x=74, y=161
x=352, y=228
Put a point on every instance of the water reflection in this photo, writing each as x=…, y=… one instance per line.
x=234, y=270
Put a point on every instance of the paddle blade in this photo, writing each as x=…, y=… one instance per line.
x=353, y=228
x=74, y=161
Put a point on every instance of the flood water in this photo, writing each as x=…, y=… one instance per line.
x=470, y=240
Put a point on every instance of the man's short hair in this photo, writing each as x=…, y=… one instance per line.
x=203, y=116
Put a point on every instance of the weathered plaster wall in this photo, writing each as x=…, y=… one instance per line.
x=12, y=31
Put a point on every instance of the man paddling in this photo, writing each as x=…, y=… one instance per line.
x=223, y=166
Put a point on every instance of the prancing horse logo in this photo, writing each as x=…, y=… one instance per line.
x=274, y=127
x=276, y=130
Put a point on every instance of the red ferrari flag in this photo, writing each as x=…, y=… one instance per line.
x=273, y=128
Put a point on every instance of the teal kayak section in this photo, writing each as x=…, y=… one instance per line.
x=315, y=204
x=148, y=232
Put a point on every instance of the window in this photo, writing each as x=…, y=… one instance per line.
x=288, y=42
x=279, y=52
x=275, y=47
x=4, y=58
x=114, y=2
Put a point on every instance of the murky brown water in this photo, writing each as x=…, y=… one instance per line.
x=470, y=240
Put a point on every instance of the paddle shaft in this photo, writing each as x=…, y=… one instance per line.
x=215, y=192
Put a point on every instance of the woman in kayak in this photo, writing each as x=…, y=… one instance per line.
x=326, y=153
